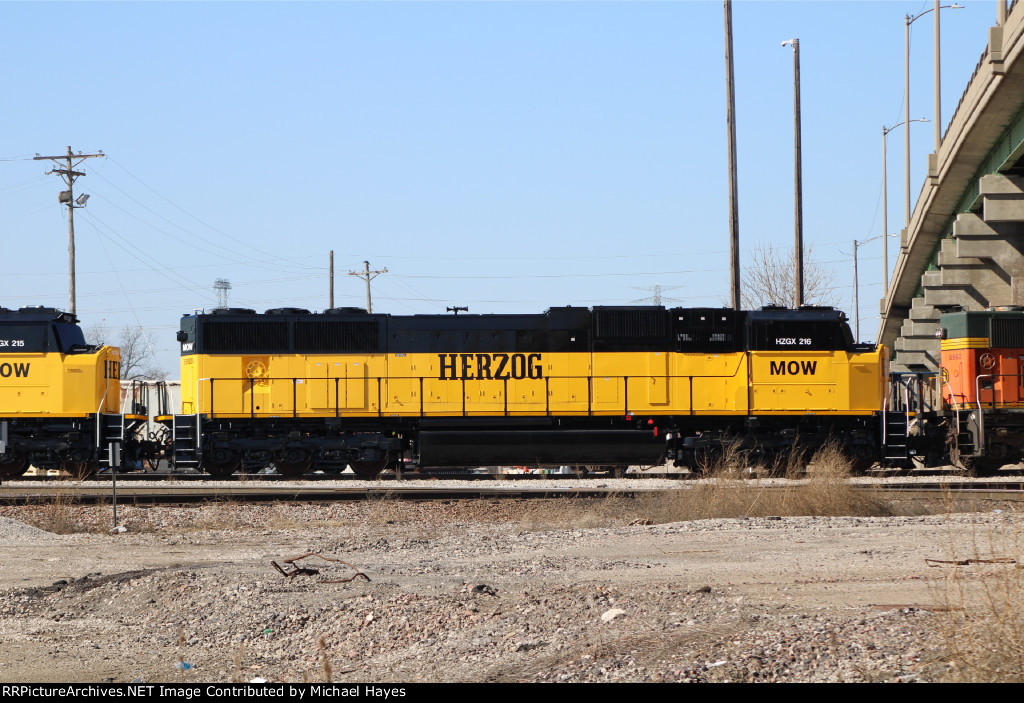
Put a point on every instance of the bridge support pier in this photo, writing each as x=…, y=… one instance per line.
x=981, y=266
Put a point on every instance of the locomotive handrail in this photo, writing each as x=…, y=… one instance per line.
x=897, y=376
x=956, y=408
x=977, y=388
x=980, y=449
x=588, y=405
x=906, y=405
x=99, y=410
x=884, y=419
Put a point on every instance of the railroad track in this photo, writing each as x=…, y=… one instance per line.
x=388, y=477
x=193, y=476
x=191, y=492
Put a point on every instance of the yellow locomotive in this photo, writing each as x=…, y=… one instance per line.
x=571, y=386
x=59, y=397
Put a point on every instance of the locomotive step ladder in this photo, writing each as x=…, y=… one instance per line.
x=896, y=446
x=185, y=438
x=967, y=432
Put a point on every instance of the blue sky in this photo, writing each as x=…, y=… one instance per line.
x=508, y=156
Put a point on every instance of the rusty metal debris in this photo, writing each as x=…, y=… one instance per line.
x=967, y=562
x=296, y=570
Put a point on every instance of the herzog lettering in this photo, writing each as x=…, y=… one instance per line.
x=16, y=370
x=793, y=368
x=463, y=367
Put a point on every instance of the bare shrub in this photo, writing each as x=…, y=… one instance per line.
x=63, y=513
x=221, y=514
x=769, y=278
x=385, y=508
x=578, y=513
x=824, y=490
x=325, y=666
x=138, y=355
x=982, y=614
x=728, y=460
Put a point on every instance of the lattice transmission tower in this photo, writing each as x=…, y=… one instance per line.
x=657, y=298
x=221, y=286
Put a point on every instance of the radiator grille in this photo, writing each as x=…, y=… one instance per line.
x=1007, y=332
x=249, y=337
x=335, y=336
x=630, y=324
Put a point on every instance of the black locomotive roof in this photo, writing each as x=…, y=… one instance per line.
x=40, y=329
x=601, y=328
x=37, y=313
x=806, y=313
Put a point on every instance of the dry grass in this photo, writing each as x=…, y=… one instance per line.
x=727, y=492
x=384, y=508
x=822, y=490
x=326, y=668
x=234, y=514
x=981, y=618
x=221, y=514
x=578, y=513
x=62, y=514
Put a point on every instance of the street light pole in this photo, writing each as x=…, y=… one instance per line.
x=798, y=248
x=856, y=280
x=856, y=297
x=67, y=197
x=909, y=20
x=885, y=222
x=906, y=131
x=938, y=84
x=885, y=203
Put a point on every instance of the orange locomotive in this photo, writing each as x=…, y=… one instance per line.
x=982, y=385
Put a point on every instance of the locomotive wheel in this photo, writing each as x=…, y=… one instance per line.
x=78, y=463
x=984, y=465
x=221, y=468
x=328, y=466
x=859, y=466
x=293, y=469
x=860, y=460
x=13, y=466
x=368, y=469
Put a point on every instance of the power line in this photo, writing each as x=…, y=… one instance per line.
x=70, y=175
x=368, y=276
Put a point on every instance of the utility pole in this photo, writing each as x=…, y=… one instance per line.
x=70, y=175
x=368, y=275
x=730, y=118
x=798, y=248
x=331, y=298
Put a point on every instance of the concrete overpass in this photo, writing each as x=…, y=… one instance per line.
x=964, y=245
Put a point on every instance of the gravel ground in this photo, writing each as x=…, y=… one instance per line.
x=487, y=591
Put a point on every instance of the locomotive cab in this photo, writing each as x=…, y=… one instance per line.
x=55, y=391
